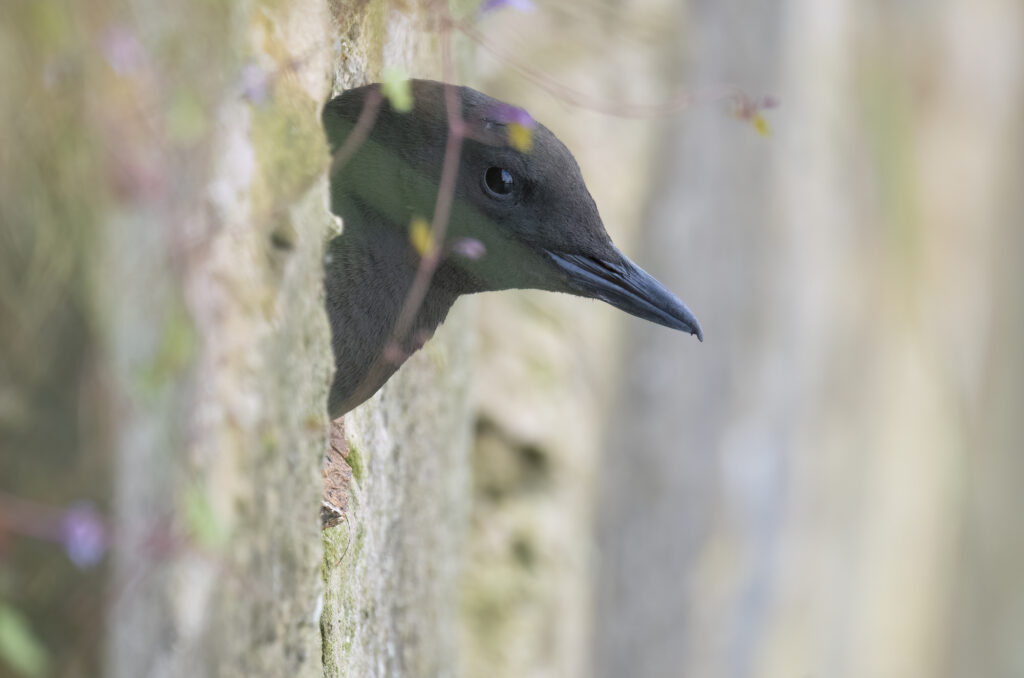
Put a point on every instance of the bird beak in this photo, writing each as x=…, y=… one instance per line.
x=628, y=287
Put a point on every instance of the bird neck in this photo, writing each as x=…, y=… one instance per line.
x=368, y=276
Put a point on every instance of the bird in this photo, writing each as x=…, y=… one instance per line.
x=520, y=217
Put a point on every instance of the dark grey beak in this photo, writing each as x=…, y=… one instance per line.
x=628, y=287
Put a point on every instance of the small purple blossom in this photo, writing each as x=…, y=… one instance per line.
x=521, y=5
x=83, y=534
x=747, y=108
x=123, y=50
x=255, y=83
x=507, y=114
x=470, y=248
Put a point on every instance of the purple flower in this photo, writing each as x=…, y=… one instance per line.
x=507, y=114
x=521, y=5
x=470, y=248
x=255, y=82
x=123, y=50
x=83, y=534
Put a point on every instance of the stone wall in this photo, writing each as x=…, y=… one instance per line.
x=164, y=180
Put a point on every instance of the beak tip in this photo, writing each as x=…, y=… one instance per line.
x=694, y=329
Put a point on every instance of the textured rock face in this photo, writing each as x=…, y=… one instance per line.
x=173, y=158
x=219, y=352
x=391, y=565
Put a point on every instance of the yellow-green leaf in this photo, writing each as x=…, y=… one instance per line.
x=421, y=237
x=520, y=137
x=200, y=520
x=760, y=125
x=186, y=120
x=19, y=647
x=395, y=86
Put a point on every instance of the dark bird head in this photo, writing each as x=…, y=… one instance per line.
x=524, y=213
x=530, y=210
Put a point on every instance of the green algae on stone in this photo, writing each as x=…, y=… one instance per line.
x=174, y=352
x=290, y=148
x=355, y=462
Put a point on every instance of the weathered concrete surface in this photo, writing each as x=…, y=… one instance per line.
x=391, y=566
x=163, y=182
x=208, y=291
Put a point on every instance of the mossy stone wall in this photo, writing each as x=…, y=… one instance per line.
x=164, y=217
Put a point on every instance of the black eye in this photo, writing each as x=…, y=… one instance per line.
x=499, y=182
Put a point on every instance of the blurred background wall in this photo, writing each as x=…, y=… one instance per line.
x=814, y=491
x=831, y=483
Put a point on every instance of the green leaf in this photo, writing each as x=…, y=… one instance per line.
x=186, y=120
x=395, y=86
x=19, y=647
x=200, y=519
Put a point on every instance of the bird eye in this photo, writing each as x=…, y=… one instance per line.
x=499, y=182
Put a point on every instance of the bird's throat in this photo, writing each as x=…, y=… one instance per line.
x=367, y=281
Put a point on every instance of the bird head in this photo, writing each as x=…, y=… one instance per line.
x=527, y=209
